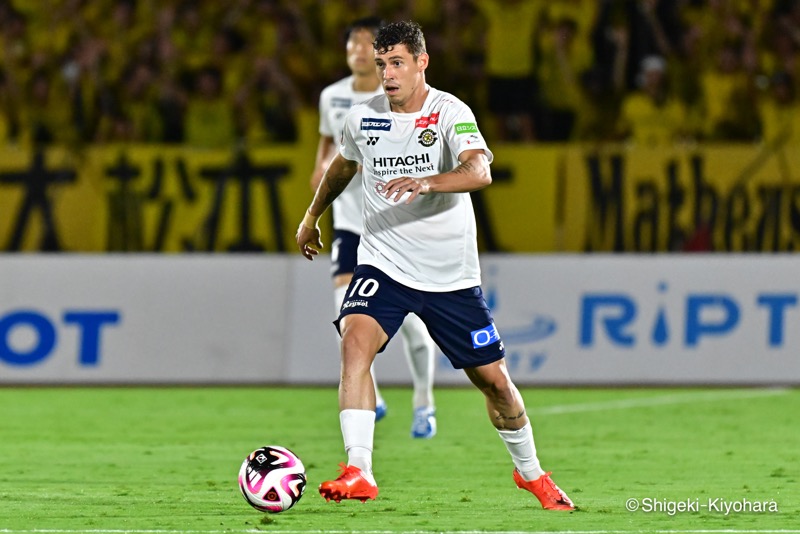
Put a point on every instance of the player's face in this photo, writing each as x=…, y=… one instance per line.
x=359, y=52
x=402, y=77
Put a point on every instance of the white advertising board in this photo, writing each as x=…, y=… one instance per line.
x=141, y=319
x=564, y=320
x=630, y=319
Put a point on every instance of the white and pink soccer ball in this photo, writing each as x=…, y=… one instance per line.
x=272, y=479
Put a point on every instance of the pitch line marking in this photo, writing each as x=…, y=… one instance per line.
x=262, y=531
x=660, y=400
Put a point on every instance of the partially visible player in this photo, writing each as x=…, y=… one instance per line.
x=334, y=103
x=421, y=154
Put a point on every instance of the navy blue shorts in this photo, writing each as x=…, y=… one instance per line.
x=458, y=321
x=344, y=252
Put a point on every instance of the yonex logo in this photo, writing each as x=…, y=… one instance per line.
x=485, y=336
x=372, y=140
x=376, y=124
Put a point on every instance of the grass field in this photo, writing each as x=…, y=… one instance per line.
x=165, y=460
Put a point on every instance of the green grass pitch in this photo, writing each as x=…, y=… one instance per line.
x=165, y=460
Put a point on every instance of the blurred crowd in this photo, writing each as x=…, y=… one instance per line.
x=213, y=73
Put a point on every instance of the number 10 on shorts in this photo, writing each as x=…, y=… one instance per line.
x=365, y=290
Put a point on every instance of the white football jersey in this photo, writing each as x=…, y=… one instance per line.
x=431, y=243
x=334, y=103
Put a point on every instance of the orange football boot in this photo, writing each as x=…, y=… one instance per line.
x=550, y=495
x=351, y=484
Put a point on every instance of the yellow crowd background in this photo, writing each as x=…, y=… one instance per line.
x=243, y=72
x=190, y=125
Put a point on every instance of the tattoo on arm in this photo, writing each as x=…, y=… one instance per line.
x=335, y=181
x=336, y=184
x=464, y=168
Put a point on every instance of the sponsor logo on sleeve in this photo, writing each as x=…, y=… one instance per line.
x=466, y=127
x=376, y=124
x=339, y=102
x=473, y=139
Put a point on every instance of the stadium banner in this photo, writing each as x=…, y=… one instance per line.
x=519, y=211
x=554, y=198
x=160, y=198
x=142, y=318
x=267, y=319
x=647, y=319
x=725, y=198
x=141, y=198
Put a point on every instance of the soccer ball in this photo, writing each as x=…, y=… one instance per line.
x=272, y=479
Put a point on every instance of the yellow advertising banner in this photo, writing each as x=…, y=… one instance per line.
x=518, y=212
x=47, y=202
x=555, y=198
x=140, y=198
x=153, y=199
x=734, y=198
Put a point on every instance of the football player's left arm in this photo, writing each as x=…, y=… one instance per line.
x=472, y=174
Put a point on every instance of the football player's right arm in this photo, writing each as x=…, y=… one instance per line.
x=336, y=178
x=334, y=181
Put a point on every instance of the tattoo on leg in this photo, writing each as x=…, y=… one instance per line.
x=501, y=417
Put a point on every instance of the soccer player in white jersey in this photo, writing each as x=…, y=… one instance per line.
x=335, y=100
x=422, y=153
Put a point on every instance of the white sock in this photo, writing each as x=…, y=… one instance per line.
x=420, y=352
x=338, y=298
x=523, y=451
x=358, y=430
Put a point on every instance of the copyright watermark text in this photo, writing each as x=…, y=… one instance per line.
x=714, y=505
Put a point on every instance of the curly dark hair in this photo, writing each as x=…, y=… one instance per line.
x=405, y=32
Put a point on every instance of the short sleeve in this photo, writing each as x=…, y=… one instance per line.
x=348, y=147
x=325, y=128
x=462, y=132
